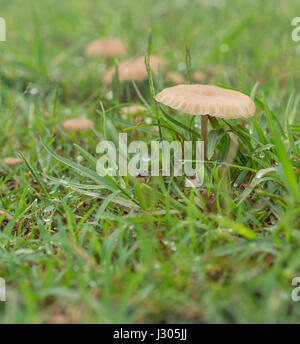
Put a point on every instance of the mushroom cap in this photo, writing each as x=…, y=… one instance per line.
x=214, y=69
x=132, y=109
x=207, y=100
x=12, y=161
x=133, y=69
x=198, y=76
x=105, y=47
x=78, y=124
x=175, y=78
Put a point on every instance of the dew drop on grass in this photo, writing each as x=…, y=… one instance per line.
x=79, y=158
x=46, y=214
x=33, y=91
x=173, y=247
x=157, y=266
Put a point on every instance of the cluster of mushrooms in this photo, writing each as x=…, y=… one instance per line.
x=195, y=99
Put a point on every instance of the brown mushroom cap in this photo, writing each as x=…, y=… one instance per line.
x=105, y=47
x=175, y=78
x=78, y=124
x=207, y=100
x=12, y=161
x=132, y=109
x=198, y=76
x=214, y=69
x=133, y=69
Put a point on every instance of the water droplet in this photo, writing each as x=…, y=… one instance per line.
x=79, y=158
x=34, y=91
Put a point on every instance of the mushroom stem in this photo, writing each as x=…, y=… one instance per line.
x=204, y=120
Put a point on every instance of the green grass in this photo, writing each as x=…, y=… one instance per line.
x=82, y=248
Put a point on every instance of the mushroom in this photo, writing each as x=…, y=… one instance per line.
x=213, y=70
x=78, y=124
x=105, y=47
x=175, y=78
x=198, y=76
x=207, y=100
x=132, y=109
x=12, y=162
x=133, y=69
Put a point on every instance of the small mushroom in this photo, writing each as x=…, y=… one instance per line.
x=105, y=47
x=213, y=70
x=78, y=124
x=133, y=69
x=12, y=162
x=175, y=78
x=132, y=109
x=207, y=100
x=198, y=76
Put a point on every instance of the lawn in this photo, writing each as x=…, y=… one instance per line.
x=76, y=247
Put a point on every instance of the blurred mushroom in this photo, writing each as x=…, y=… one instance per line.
x=12, y=162
x=175, y=78
x=133, y=69
x=78, y=124
x=135, y=111
x=105, y=47
x=207, y=100
x=198, y=76
x=132, y=109
x=213, y=70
